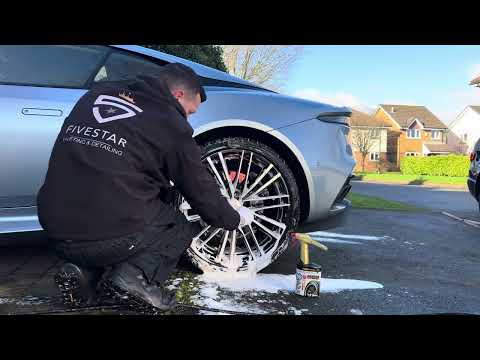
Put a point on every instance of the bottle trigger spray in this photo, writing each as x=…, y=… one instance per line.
x=308, y=275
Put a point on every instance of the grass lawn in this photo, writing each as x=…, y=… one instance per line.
x=397, y=177
x=373, y=202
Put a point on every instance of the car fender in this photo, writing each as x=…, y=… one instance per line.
x=267, y=129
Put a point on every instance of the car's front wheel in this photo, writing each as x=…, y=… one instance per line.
x=260, y=179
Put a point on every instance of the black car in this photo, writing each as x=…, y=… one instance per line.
x=474, y=173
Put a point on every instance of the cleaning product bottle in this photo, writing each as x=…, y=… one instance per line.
x=308, y=275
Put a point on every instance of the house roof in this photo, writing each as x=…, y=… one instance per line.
x=359, y=118
x=448, y=148
x=475, y=81
x=404, y=115
x=476, y=108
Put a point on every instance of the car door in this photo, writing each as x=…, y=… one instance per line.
x=39, y=85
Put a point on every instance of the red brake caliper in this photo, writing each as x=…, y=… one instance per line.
x=233, y=174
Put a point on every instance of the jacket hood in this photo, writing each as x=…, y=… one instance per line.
x=149, y=86
x=155, y=88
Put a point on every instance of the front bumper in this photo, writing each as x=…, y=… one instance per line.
x=337, y=217
x=472, y=185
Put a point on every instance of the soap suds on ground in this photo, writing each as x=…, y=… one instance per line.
x=230, y=293
x=274, y=283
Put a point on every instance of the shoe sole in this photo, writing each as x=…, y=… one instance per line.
x=135, y=303
x=69, y=285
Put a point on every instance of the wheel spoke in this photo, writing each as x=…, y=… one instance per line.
x=268, y=207
x=247, y=244
x=271, y=221
x=238, y=173
x=209, y=238
x=275, y=235
x=257, y=180
x=212, y=165
x=201, y=232
x=260, y=198
x=225, y=170
x=245, y=186
x=268, y=183
x=193, y=218
x=222, y=248
x=184, y=206
x=233, y=246
x=255, y=240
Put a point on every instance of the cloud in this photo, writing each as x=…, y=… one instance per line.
x=455, y=102
x=335, y=98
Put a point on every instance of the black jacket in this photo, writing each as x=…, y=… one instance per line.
x=114, y=158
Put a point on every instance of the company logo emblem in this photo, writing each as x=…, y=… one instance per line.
x=124, y=103
x=127, y=97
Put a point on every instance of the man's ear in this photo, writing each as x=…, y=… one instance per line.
x=177, y=94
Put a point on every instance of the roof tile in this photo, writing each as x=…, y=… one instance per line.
x=404, y=115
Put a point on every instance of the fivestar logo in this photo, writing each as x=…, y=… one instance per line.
x=115, y=102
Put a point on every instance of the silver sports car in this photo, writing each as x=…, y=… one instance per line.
x=288, y=159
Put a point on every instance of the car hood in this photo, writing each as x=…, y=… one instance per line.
x=259, y=102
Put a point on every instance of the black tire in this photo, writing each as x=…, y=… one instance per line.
x=290, y=212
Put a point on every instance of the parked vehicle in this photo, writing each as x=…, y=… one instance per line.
x=474, y=173
x=288, y=158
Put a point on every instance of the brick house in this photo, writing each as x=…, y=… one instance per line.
x=374, y=140
x=414, y=131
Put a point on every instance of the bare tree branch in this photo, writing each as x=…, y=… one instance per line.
x=363, y=140
x=266, y=65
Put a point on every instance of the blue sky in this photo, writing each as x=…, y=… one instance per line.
x=364, y=76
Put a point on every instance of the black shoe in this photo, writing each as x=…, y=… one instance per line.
x=128, y=286
x=77, y=286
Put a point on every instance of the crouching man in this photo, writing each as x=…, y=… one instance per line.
x=104, y=203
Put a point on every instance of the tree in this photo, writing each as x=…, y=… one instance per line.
x=363, y=140
x=208, y=55
x=265, y=65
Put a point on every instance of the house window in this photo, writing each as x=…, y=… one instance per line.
x=411, y=154
x=436, y=135
x=413, y=133
x=374, y=156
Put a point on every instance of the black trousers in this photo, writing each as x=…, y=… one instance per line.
x=156, y=250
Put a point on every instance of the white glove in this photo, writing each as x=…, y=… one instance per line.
x=246, y=216
x=235, y=204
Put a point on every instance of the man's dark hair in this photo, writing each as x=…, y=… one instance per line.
x=179, y=75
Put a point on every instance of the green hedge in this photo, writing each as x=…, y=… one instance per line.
x=439, y=165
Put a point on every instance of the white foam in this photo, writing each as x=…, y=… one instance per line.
x=273, y=283
x=344, y=236
x=25, y=301
x=204, y=312
x=338, y=241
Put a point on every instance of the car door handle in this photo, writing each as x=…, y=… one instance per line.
x=42, y=112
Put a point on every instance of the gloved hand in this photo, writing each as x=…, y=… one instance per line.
x=246, y=216
x=235, y=204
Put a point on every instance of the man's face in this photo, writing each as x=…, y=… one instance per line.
x=190, y=102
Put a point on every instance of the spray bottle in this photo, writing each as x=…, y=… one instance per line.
x=308, y=275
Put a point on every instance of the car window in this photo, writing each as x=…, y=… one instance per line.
x=50, y=65
x=120, y=66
